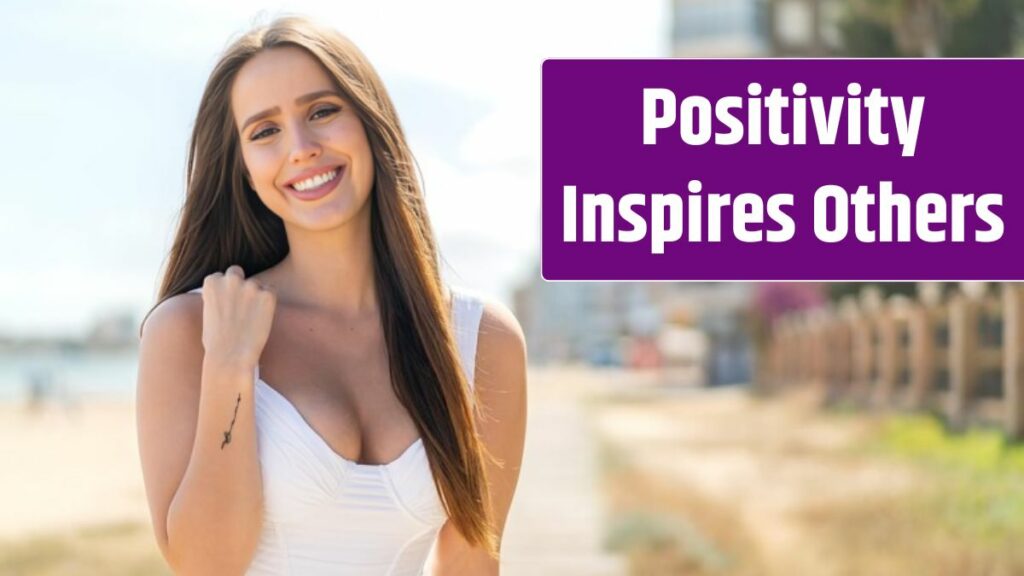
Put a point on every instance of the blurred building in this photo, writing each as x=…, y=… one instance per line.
x=755, y=28
x=639, y=324
x=584, y=321
x=720, y=28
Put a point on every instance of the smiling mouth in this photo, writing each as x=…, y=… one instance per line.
x=314, y=182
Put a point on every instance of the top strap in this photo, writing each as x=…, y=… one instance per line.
x=467, y=310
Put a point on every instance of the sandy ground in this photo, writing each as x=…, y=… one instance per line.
x=63, y=469
x=767, y=463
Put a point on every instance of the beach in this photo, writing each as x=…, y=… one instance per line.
x=68, y=468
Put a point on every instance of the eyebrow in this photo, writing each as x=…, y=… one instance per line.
x=277, y=110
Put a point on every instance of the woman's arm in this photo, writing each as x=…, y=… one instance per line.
x=500, y=388
x=199, y=457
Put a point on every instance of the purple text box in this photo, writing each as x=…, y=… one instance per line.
x=969, y=142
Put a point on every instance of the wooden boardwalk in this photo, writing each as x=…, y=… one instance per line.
x=557, y=522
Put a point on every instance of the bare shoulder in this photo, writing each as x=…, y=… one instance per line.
x=501, y=349
x=500, y=332
x=177, y=314
x=172, y=341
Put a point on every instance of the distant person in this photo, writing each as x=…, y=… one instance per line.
x=311, y=397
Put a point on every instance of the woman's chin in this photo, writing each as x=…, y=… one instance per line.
x=328, y=216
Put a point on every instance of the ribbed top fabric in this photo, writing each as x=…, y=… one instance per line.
x=325, y=514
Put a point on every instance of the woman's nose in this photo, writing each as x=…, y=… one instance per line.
x=304, y=147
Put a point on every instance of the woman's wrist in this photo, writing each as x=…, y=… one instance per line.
x=228, y=365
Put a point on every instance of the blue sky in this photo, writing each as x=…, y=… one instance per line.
x=100, y=97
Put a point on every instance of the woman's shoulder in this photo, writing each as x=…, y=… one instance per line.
x=500, y=333
x=171, y=352
x=177, y=316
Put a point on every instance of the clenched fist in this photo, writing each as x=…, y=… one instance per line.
x=237, y=316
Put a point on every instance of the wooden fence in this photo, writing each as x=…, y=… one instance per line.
x=961, y=356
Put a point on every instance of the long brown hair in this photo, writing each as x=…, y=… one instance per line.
x=223, y=222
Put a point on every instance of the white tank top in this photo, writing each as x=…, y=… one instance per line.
x=324, y=514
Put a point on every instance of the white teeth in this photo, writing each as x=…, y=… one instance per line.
x=315, y=181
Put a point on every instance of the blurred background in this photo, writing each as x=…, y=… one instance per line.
x=675, y=428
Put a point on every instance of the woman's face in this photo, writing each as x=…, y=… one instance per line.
x=304, y=147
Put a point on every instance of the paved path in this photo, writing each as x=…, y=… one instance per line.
x=557, y=523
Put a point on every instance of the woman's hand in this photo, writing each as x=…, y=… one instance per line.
x=237, y=316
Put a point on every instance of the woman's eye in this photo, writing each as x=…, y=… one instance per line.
x=321, y=113
x=324, y=112
x=262, y=134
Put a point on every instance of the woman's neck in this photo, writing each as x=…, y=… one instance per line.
x=332, y=271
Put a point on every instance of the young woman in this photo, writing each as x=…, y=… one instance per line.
x=311, y=398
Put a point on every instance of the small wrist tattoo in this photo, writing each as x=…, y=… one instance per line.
x=227, y=435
